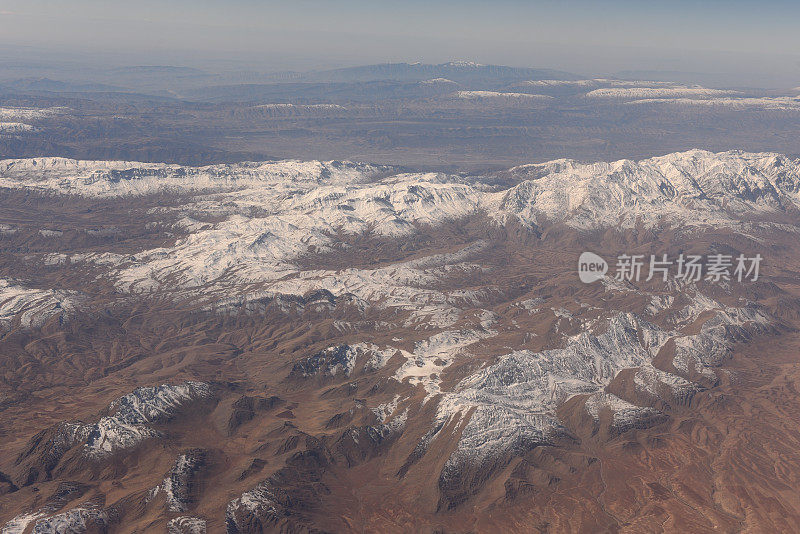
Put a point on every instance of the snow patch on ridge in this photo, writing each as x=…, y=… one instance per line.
x=9, y=113
x=778, y=103
x=515, y=400
x=125, y=178
x=696, y=188
x=186, y=525
x=33, y=307
x=127, y=426
x=624, y=414
x=15, y=127
x=18, y=524
x=658, y=92
x=77, y=519
x=433, y=355
x=494, y=95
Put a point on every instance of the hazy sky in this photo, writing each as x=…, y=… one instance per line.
x=759, y=38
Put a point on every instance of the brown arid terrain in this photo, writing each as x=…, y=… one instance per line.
x=334, y=347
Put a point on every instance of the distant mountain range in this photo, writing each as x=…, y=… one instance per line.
x=57, y=86
x=164, y=80
x=457, y=71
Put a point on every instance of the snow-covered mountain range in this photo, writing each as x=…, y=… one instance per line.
x=681, y=186
x=440, y=291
